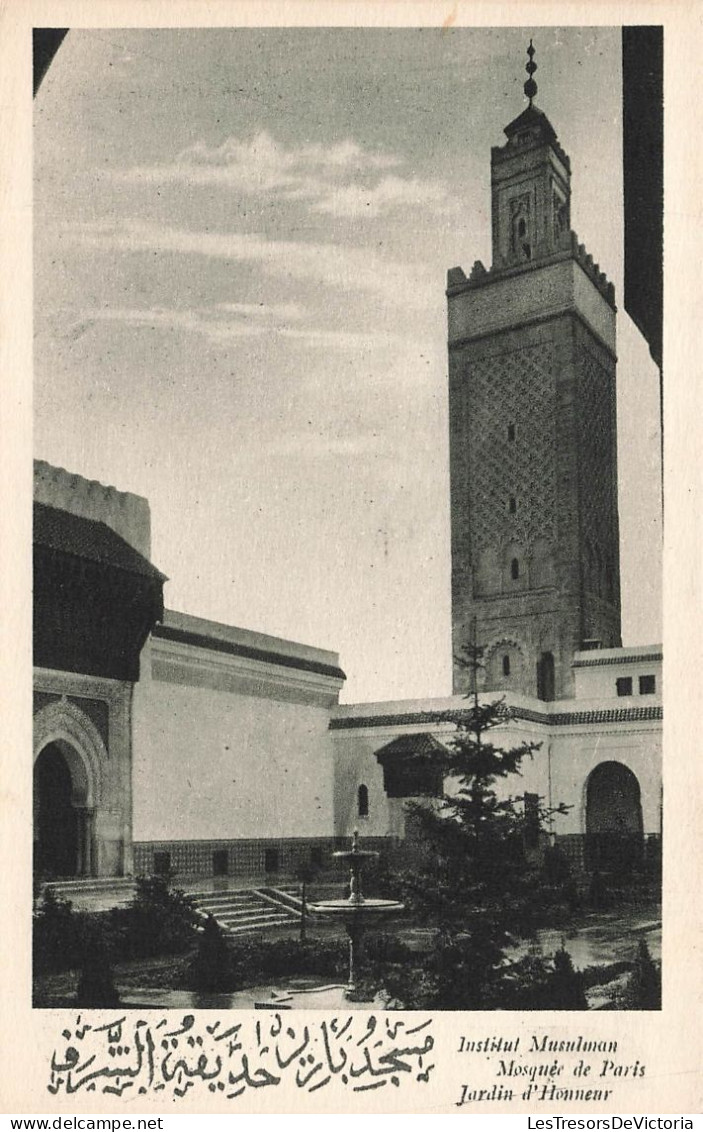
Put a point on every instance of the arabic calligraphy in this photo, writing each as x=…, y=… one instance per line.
x=135, y=1057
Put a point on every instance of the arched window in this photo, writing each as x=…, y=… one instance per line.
x=514, y=569
x=362, y=796
x=506, y=665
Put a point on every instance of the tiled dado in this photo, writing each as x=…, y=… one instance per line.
x=241, y=858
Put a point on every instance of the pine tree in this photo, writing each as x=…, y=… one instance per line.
x=643, y=991
x=566, y=990
x=473, y=880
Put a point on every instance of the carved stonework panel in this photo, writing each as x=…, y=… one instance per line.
x=519, y=387
x=596, y=457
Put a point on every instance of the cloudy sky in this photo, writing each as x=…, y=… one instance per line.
x=241, y=246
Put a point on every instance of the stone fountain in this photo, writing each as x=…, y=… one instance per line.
x=356, y=912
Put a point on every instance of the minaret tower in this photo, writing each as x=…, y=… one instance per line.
x=533, y=442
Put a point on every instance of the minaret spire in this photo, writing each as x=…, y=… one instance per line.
x=530, y=87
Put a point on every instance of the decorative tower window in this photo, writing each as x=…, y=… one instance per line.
x=512, y=504
x=514, y=569
x=520, y=238
x=511, y=432
x=561, y=218
x=506, y=665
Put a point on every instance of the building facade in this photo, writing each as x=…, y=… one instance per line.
x=164, y=742
x=96, y=599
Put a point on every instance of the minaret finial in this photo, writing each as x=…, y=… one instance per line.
x=530, y=87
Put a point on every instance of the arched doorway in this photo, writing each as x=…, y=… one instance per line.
x=614, y=839
x=62, y=817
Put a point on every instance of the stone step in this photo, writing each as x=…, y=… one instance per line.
x=260, y=916
x=93, y=894
x=233, y=915
x=241, y=911
x=215, y=899
x=89, y=884
x=254, y=928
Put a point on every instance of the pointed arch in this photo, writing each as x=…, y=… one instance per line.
x=64, y=724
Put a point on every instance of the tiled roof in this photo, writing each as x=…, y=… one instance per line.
x=558, y=719
x=88, y=539
x=411, y=746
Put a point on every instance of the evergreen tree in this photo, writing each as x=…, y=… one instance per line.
x=644, y=990
x=473, y=879
x=566, y=990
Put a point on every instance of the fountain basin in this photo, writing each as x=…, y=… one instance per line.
x=364, y=908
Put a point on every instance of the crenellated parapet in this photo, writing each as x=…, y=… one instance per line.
x=593, y=271
x=480, y=276
x=126, y=514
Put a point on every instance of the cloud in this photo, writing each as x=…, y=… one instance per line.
x=341, y=339
x=266, y=160
x=288, y=311
x=340, y=179
x=340, y=266
x=193, y=321
x=354, y=200
x=231, y=321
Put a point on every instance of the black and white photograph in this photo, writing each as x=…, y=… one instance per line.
x=347, y=521
x=353, y=434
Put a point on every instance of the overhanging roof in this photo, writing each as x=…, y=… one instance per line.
x=408, y=747
x=89, y=539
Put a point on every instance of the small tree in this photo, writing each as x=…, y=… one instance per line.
x=160, y=920
x=473, y=881
x=644, y=988
x=566, y=989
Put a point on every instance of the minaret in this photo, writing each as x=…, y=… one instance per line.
x=533, y=444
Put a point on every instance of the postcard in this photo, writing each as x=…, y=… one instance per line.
x=349, y=358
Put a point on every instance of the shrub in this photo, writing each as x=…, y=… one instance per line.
x=56, y=934
x=643, y=990
x=96, y=988
x=566, y=986
x=159, y=921
x=229, y=964
x=526, y=985
x=281, y=957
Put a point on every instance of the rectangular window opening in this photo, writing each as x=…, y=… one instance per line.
x=220, y=863
x=271, y=860
x=162, y=864
x=623, y=685
x=648, y=685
